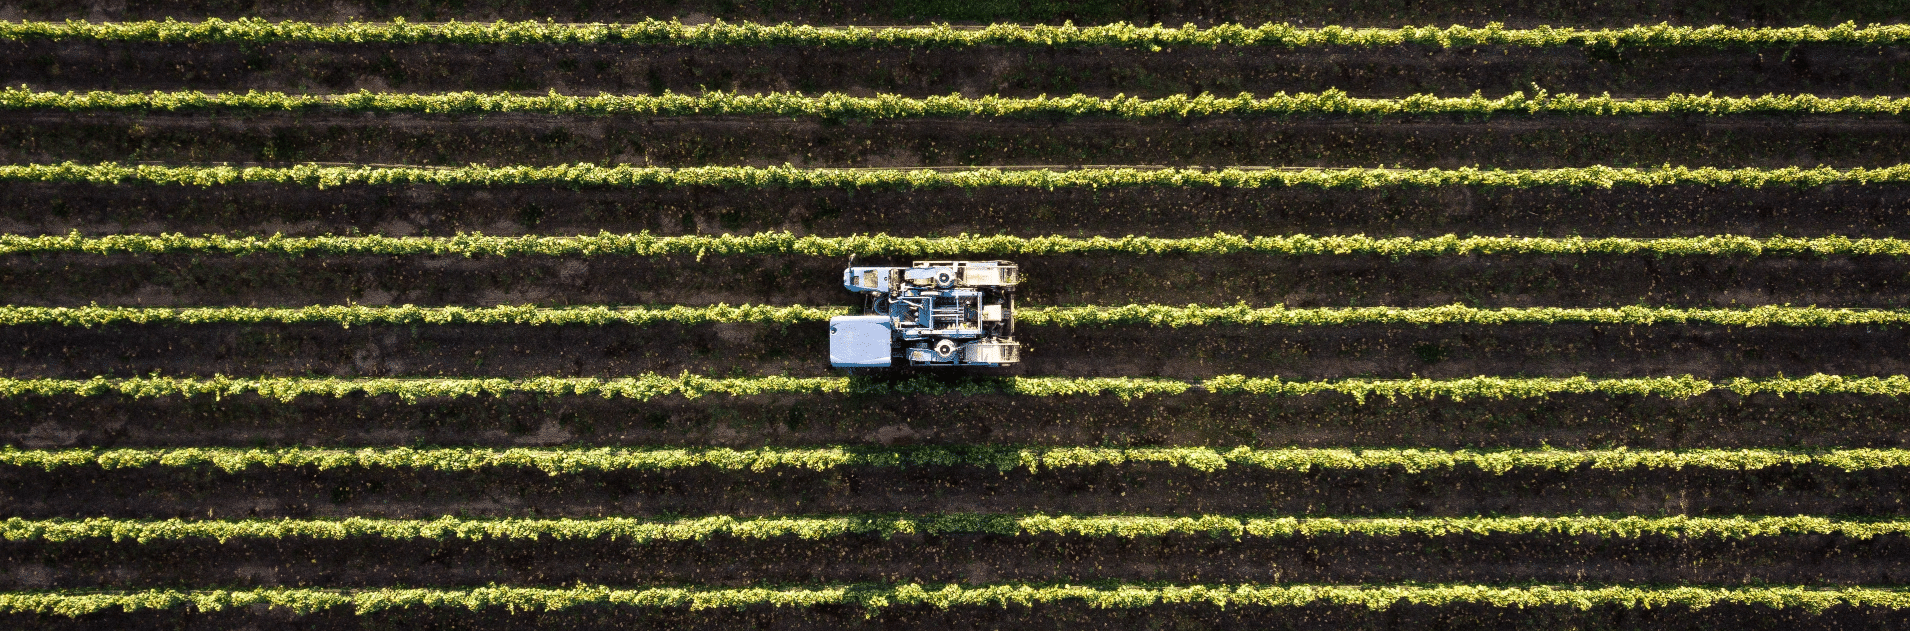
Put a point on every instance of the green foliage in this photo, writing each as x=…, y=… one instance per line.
x=638, y=530
x=349, y=315
x=642, y=388
x=646, y=244
x=258, y=31
x=1033, y=459
x=873, y=598
x=1150, y=315
x=890, y=106
x=588, y=175
x=1536, y=387
x=649, y=386
x=1195, y=315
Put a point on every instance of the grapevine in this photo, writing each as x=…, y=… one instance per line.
x=878, y=597
x=891, y=106
x=594, y=176
x=650, y=385
x=1033, y=459
x=646, y=244
x=1144, y=315
x=642, y=530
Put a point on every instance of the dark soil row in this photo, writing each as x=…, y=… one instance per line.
x=1362, y=71
x=1318, y=352
x=157, y=492
x=1874, y=210
x=1312, y=281
x=1508, y=142
x=1381, y=13
x=1218, y=421
x=721, y=560
x=1062, y=616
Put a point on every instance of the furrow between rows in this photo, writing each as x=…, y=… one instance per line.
x=313, y=200
x=1638, y=70
x=1137, y=488
x=1769, y=141
x=799, y=349
x=1040, y=413
x=1818, y=559
x=183, y=280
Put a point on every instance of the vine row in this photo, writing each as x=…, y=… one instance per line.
x=589, y=175
x=349, y=315
x=646, y=244
x=891, y=106
x=638, y=530
x=571, y=461
x=877, y=597
x=1148, y=315
x=650, y=386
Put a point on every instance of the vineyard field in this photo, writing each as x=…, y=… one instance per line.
x=423, y=314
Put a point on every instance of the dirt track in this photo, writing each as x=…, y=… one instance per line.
x=1064, y=615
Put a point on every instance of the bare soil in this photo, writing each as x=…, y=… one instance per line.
x=730, y=562
x=1311, y=281
x=512, y=139
x=1058, y=616
x=1879, y=210
x=1141, y=489
x=1006, y=71
x=1195, y=419
x=1377, y=13
x=1312, y=352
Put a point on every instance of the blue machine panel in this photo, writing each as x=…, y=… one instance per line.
x=860, y=341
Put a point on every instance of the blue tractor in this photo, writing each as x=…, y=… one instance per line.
x=932, y=313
